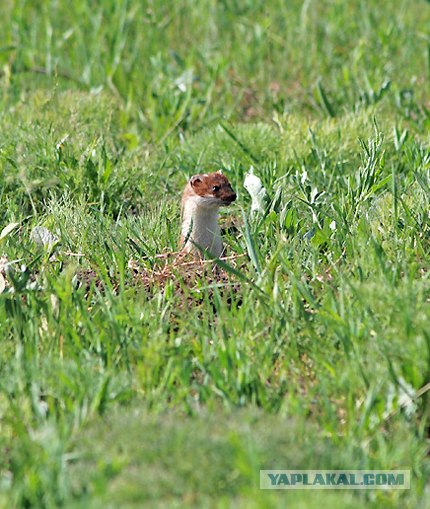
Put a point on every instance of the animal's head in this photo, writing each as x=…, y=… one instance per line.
x=213, y=189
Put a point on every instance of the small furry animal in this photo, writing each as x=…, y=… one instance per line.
x=202, y=197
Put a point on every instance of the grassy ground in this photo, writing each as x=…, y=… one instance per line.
x=114, y=395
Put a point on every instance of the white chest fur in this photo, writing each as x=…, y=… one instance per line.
x=200, y=225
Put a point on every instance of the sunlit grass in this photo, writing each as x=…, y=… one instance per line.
x=121, y=394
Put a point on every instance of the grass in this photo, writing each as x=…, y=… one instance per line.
x=116, y=395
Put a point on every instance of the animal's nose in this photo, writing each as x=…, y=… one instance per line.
x=233, y=196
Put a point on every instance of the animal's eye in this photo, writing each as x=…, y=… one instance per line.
x=215, y=189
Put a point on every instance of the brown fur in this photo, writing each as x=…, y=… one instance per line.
x=203, y=185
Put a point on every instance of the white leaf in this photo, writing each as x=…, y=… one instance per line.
x=7, y=229
x=256, y=190
x=43, y=237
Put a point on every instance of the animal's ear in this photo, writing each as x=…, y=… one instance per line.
x=220, y=172
x=195, y=179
